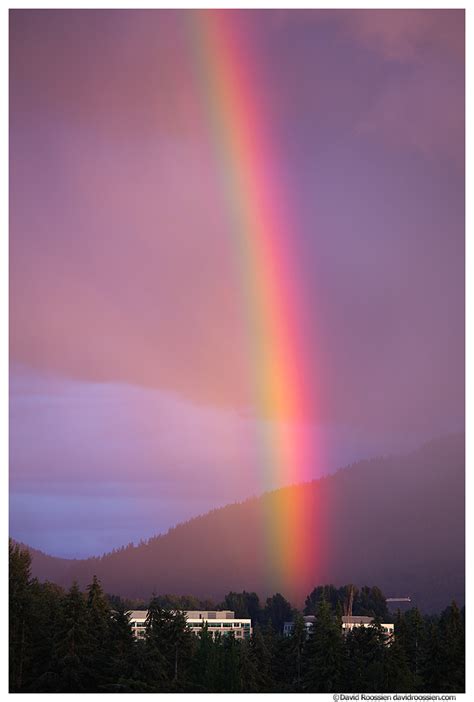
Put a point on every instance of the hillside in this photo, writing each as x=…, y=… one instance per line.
x=395, y=522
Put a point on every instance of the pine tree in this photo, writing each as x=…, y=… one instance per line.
x=231, y=680
x=399, y=676
x=452, y=638
x=298, y=640
x=169, y=643
x=46, y=603
x=377, y=657
x=323, y=653
x=329, y=593
x=155, y=665
x=277, y=611
x=371, y=602
x=261, y=649
x=366, y=664
x=98, y=624
x=246, y=605
x=203, y=673
x=19, y=613
x=354, y=663
x=411, y=637
x=72, y=645
x=121, y=652
x=290, y=657
x=180, y=643
x=432, y=661
x=248, y=668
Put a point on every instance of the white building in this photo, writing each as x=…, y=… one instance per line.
x=348, y=623
x=218, y=622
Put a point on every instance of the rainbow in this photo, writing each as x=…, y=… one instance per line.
x=262, y=230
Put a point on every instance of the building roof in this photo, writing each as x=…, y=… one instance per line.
x=190, y=614
x=210, y=614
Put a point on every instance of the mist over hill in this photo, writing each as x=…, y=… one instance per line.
x=395, y=522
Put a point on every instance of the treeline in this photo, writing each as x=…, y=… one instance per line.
x=367, y=601
x=83, y=642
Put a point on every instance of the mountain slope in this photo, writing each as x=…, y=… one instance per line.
x=395, y=522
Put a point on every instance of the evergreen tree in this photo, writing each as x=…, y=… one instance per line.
x=371, y=602
x=366, y=661
x=169, y=642
x=277, y=611
x=19, y=613
x=155, y=665
x=98, y=624
x=452, y=639
x=322, y=669
x=46, y=604
x=179, y=645
x=261, y=645
x=246, y=605
x=400, y=678
x=72, y=645
x=288, y=657
x=248, y=668
x=204, y=664
x=329, y=593
x=121, y=651
x=432, y=660
x=231, y=680
x=411, y=637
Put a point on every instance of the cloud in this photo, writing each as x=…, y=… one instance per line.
x=424, y=111
x=408, y=93
x=422, y=106
x=406, y=35
x=84, y=434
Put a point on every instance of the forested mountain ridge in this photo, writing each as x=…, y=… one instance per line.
x=397, y=522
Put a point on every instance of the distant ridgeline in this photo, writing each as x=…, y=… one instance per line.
x=397, y=522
